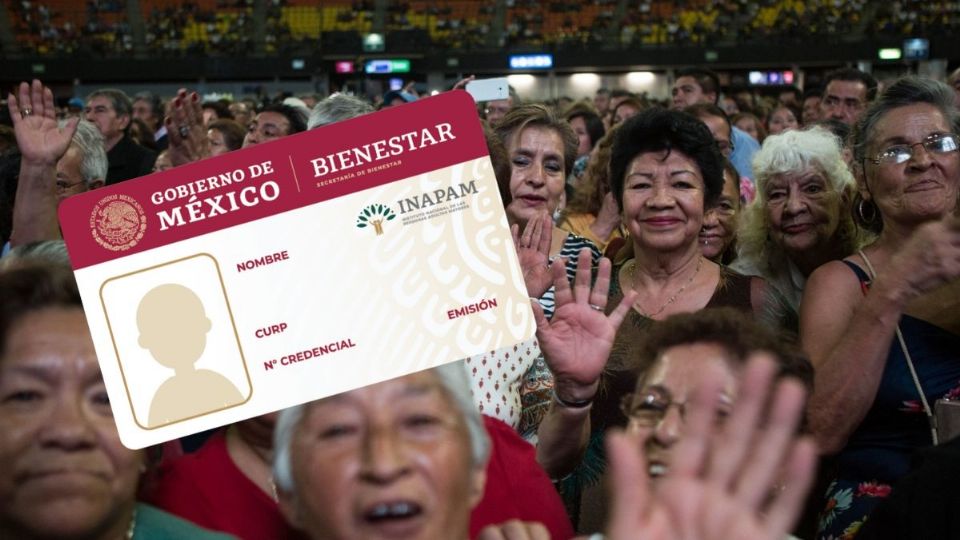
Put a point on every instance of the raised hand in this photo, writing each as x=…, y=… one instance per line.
x=186, y=131
x=719, y=482
x=462, y=83
x=34, y=116
x=576, y=342
x=533, y=252
x=930, y=259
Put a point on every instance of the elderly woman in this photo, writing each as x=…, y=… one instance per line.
x=409, y=457
x=541, y=148
x=685, y=350
x=802, y=216
x=65, y=473
x=406, y=456
x=666, y=170
x=881, y=326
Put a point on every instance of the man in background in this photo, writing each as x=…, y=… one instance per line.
x=111, y=110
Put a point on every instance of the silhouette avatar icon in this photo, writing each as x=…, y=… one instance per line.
x=173, y=326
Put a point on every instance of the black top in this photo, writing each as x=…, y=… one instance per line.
x=127, y=160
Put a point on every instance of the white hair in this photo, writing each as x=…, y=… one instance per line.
x=453, y=378
x=93, y=156
x=337, y=108
x=793, y=152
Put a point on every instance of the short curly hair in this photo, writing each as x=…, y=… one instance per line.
x=657, y=130
x=795, y=151
x=521, y=117
x=739, y=334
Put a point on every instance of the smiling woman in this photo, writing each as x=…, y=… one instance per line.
x=882, y=326
x=541, y=147
x=666, y=169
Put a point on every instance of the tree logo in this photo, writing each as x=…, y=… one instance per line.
x=374, y=216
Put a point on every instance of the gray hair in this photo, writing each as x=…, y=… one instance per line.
x=337, y=108
x=795, y=151
x=89, y=141
x=905, y=91
x=45, y=252
x=118, y=100
x=453, y=378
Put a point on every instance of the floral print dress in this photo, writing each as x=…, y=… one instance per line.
x=879, y=451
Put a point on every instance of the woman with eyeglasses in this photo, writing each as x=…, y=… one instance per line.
x=802, y=215
x=882, y=326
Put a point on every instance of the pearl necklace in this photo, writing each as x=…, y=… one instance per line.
x=672, y=299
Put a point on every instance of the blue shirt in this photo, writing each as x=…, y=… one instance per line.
x=744, y=147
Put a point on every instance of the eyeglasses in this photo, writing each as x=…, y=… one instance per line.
x=648, y=408
x=901, y=153
x=63, y=186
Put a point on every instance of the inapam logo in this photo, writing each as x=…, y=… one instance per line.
x=374, y=216
x=118, y=222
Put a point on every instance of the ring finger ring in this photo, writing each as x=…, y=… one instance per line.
x=25, y=112
x=596, y=307
x=184, y=131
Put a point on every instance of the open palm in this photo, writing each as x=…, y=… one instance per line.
x=576, y=342
x=39, y=136
x=719, y=482
x=533, y=253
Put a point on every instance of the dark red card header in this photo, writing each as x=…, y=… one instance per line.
x=267, y=179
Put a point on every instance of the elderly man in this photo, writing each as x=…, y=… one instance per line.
x=846, y=94
x=694, y=86
x=57, y=163
x=111, y=111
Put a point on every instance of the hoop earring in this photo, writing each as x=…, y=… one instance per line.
x=863, y=214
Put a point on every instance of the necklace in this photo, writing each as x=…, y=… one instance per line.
x=133, y=525
x=672, y=299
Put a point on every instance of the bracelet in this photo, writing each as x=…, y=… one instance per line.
x=582, y=404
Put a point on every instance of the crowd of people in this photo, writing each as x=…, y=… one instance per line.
x=225, y=27
x=721, y=305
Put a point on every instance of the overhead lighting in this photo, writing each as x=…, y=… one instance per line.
x=585, y=79
x=640, y=78
x=890, y=54
x=521, y=81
